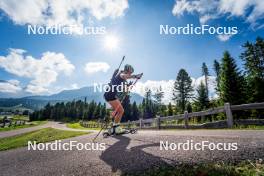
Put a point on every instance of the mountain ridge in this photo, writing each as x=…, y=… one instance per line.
x=39, y=101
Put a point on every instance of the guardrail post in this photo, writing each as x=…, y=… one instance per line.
x=229, y=115
x=158, y=122
x=140, y=123
x=186, y=119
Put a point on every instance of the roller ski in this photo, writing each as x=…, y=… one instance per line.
x=117, y=130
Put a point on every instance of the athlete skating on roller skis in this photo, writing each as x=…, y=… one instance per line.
x=111, y=95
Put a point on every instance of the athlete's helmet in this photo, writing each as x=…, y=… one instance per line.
x=128, y=68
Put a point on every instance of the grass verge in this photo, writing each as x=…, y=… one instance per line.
x=31, y=124
x=245, y=168
x=249, y=127
x=77, y=125
x=40, y=136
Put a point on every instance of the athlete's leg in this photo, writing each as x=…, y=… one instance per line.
x=118, y=110
x=117, y=115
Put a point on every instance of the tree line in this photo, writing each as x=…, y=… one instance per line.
x=71, y=111
x=233, y=85
x=81, y=110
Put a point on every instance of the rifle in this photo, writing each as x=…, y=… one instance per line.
x=117, y=70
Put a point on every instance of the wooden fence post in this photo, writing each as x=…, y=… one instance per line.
x=140, y=123
x=128, y=124
x=186, y=119
x=229, y=115
x=158, y=122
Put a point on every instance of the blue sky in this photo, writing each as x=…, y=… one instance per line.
x=136, y=25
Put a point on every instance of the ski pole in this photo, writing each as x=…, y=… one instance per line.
x=121, y=62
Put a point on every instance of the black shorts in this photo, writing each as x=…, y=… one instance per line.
x=110, y=96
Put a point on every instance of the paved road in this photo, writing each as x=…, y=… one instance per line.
x=23, y=130
x=52, y=124
x=131, y=153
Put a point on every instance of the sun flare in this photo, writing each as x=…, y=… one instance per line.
x=111, y=42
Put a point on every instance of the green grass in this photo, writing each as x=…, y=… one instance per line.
x=16, y=117
x=248, y=127
x=242, y=169
x=20, y=117
x=77, y=125
x=31, y=124
x=40, y=136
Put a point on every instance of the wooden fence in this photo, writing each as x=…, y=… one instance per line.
x=227, y=109
x=13, y=123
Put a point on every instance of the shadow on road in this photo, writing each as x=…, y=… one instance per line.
x=132, y=160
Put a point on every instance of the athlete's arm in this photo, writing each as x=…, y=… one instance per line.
x=128, y=76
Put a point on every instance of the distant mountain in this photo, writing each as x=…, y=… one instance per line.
x=37, y=102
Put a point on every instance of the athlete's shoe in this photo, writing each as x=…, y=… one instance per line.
x=119, y=130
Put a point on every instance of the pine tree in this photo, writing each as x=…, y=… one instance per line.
x=189, y=107
x=148, y=106
x=253, y=58
x=205, y=73
x=135, y=112
x=170, y=110
x=127, y=109
x=158, y=96
x=97, y=111
x=47, y=111
x=91, y=110
x=183, y=90
x=163, y=110
x=231, y=81
x=103, y=112
x=217, y=73
x=201, y=100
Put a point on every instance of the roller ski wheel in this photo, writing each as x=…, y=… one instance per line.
x=133, y=131
x=109, y=132
x=106, y=134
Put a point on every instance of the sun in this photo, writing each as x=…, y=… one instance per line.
x=111, y=42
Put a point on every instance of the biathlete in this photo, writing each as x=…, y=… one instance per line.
x=111, y=96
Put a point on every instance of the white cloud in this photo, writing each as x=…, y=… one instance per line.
x=93, y=67
x=36, y=89
x=42, y=72
x=10, y=86
x=249, y=10
x=167, y=87
x=224, y=37
x=14, y=82
x=64, y=12
x=75, y=86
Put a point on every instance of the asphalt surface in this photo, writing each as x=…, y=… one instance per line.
x=23, y=130
x=57, y=125
x=132, y=153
